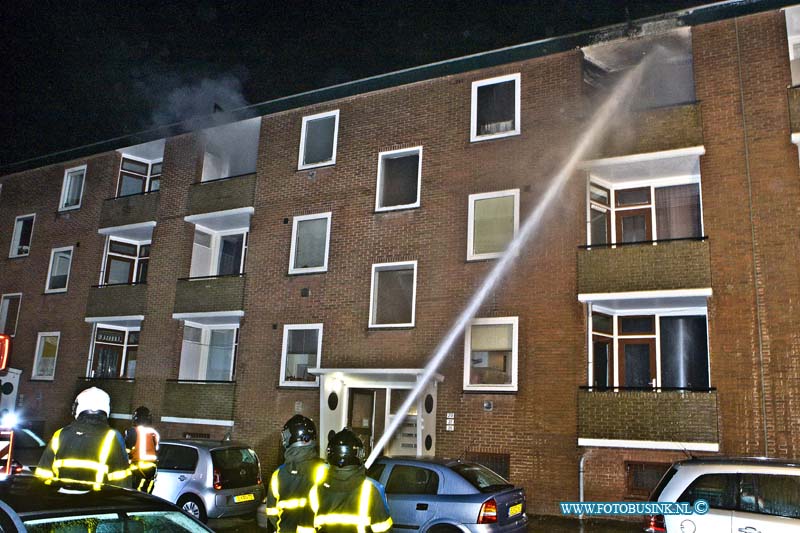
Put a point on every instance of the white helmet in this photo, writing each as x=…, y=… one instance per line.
x=92, y=399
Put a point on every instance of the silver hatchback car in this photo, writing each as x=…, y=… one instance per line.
x=209, y=478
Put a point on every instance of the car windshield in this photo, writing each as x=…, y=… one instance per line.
x=481, y=477
x=26, y=438
x=131, y=522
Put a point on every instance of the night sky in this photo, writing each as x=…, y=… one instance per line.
x=79, y=72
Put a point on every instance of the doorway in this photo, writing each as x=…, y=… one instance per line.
x=361, y=416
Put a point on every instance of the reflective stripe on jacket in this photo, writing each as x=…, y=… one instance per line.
x=344, y=511
x=144, y=452
x=287, y=494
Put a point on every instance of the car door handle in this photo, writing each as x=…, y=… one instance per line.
x=749, y=529
x=422, y=507
x=181, y=478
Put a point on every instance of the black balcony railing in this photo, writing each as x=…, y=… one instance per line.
x=216, y=276
x=633, y=243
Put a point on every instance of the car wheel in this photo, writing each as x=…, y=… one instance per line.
x=191, y=505
x=443, y=529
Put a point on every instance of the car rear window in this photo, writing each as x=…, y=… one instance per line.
x=235, y=467
x=405, y=479
x=666, y=478
x=172, y=457
x=481, y=477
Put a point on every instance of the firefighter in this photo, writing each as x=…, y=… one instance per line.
x=347, y=501
x=87, y=452
x=141, y=441
x=287, y=495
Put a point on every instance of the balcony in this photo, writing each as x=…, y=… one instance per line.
x=645, y=266
x=116, y=300
x=208, y=400
x=655, y=130
x=120, y=390
x=222, y=195
x=210, y=294
x=682, y=417
x=128, y=210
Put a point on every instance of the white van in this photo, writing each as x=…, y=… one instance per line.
x=743, y=495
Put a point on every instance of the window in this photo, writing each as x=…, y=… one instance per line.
x=44, y=365
x=493, y=223
x=302, y=350
x=58, y=273
x=719, y=490
x=770, y=494
x=218, y=253
x=399, y=179
x=318, y=140
x=126, y=262
x=21, y=239
x=642, y=214
x=629, y=343
x=412, y=480
x=72, y=188
x=642, y=478
x=495, y=108
x=490, y=354
x=138, y=175
x=208, y=354
x=114, y=352
x=393, y=294
x=311, y=235
x=9, y=313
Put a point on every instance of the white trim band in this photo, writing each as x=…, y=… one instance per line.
x=93, y=319
x=642, y=295
x=193, y=219
x=119, y=229
x=120, y=416
x=647, y=156
x=200, y=421
x=209, y=314
x=651, y=445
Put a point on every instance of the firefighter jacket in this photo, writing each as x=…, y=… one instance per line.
x=347, y=501
x=289, y=486
x=142, y=445
x=86, y=452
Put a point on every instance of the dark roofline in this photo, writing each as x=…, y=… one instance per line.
x=688, y=17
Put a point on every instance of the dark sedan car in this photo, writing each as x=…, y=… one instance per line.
x=28, y=505
x=443, y=495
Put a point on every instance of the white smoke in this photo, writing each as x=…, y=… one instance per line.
x=186, y=101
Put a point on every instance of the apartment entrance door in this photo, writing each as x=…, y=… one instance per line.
x=361, y=418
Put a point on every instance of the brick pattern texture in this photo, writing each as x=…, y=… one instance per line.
x=127, y=210
x=116, y=300
x=221, y=195
x=206, y=295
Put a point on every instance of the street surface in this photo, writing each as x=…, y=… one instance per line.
x=537, y=524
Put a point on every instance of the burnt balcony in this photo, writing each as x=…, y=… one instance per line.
x=125, y=299
x=119, y=389
x=210, y=400
x=224, y=194
x=655, y=130
x=794, y=109
x=644, y=266
x=210, y=294
x=657, y=415
x=128, y=210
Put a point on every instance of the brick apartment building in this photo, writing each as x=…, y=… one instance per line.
x=308, y=254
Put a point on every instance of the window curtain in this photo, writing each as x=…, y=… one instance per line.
x=678, y=211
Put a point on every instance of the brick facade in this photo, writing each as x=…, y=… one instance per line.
x=750, y=200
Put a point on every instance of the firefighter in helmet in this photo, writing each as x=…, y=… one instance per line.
x=141, y=441
x=347, y=501
x=87, y=452
x=287, y=495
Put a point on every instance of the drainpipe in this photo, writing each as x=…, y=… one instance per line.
x=581, y=469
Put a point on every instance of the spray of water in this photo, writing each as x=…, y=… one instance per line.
x=588, y=138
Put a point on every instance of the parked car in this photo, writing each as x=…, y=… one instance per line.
x=28, y=448
x=27, y=504
x=747, y=495
x=209, y=478
x=445, y=495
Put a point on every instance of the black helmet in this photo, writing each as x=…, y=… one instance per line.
x=141, y=416
x=345, y=449
x=298, y=431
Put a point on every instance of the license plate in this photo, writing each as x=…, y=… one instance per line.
x=244, y=498
x=514, y=510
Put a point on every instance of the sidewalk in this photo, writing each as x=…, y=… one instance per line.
x=553, y=524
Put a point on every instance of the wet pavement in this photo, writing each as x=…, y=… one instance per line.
x=537, y=524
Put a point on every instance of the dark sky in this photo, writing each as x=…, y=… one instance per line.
x=77, y=72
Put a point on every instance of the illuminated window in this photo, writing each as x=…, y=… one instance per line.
x=44, y=364
x=491, y=354
x=21, y=239
x=492, y=224
x=302, y=349
x=58, y=273
x=311, y=235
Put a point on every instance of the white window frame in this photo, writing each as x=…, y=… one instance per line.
x=514, y=322
x=471, y=255
x=473, y=137
x=53, y=252
x=400, y=265
x=64, y=188
x=301, y=165
x=38, y=355
x=216, y=247
x=205, y=345
x=148, y=178
x=294, y=327
x=19, y=306
x=108, y=253
x=652, y=185
x=125, y=346
x=15, y=235
x=379, y=187
x=295, y=223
